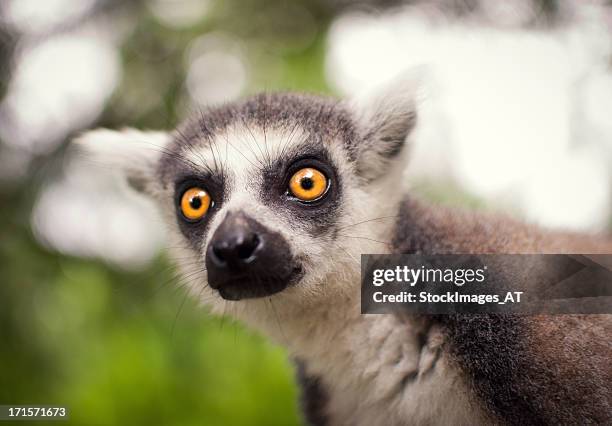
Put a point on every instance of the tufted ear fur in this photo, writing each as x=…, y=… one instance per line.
x=133, y=152
x=385, y=117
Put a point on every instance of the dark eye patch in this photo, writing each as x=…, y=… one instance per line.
x=318, y=216
x=216, y=186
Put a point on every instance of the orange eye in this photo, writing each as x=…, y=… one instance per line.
x=308, y=184
x=195, y=203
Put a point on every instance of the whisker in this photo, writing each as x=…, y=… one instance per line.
x=367, y=238
x=369, y=220
x=177, y=315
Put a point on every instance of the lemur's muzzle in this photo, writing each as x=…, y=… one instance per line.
x=244, y=259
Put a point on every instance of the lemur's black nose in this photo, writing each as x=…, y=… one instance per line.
x=236, y=242
x=235, y=247
x=246, y=259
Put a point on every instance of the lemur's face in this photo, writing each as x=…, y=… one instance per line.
x=259, y=201
x=277, y=195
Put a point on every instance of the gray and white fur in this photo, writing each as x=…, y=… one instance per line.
x=361, y=369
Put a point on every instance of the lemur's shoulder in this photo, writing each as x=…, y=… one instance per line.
x=536, y=369
x=427, y=228
x=524, y=369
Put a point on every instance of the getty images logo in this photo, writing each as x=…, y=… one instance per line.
x=426, y=275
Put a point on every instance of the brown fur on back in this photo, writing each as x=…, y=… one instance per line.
x=525, y=369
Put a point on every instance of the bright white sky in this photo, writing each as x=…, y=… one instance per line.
x=517, y=117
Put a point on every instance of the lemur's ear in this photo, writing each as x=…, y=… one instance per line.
x=385, y=117
x=133, y=152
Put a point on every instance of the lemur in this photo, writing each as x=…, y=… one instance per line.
x=271, y=200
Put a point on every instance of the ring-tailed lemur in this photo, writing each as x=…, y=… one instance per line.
x=272, y=199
